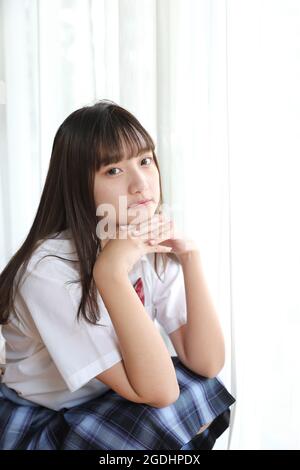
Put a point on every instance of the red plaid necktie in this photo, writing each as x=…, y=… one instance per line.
x=139, y=288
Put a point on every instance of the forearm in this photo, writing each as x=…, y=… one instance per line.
x=146, y=358
x=203, y=338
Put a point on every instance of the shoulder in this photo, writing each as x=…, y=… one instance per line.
x=47, y=284
x=54, y=258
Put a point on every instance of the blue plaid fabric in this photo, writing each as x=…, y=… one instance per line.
x=112, y=423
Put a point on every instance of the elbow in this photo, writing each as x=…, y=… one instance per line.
x=209, y=365
x=209, y=371
x=211, y=374
x=165, y=400
x=213, y=370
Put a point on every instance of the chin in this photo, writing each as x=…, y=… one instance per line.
x=141, y=214
x=140, y=218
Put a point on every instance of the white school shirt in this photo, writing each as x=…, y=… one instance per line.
x=51, y=359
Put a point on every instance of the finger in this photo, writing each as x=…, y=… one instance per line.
x=156, y=218
x=158, y=231
x=167, y=233
x=141, y=226
x=147, y=225
x=125, y=231
x=159, y=249
x=148, y=229
x=152, y=231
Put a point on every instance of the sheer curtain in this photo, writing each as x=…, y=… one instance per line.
x=216, y=84
x=264, y=143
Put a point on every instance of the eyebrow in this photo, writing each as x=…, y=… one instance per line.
x=142, y=152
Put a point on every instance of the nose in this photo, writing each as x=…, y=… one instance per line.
x=138, y=182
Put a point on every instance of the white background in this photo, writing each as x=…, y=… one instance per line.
x=217, y=84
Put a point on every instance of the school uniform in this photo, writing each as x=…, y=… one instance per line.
x=49, y=397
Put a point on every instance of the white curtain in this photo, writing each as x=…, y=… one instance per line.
x=264, y=144
x=216, y=84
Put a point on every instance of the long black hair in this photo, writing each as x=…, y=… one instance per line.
x=89, y=138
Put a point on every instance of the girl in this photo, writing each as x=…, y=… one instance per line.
x=86, y=366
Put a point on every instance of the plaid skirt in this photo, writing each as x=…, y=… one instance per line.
x=111, y=422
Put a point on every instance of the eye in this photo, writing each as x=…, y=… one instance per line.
x=112, y=174
x=148, y=158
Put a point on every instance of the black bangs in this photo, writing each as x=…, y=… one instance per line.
x=120, y=136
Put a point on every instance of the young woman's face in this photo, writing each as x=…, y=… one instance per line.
x=122, y=185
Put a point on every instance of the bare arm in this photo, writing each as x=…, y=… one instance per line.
x=147, y=362
x=116, y=378
x=200, y=343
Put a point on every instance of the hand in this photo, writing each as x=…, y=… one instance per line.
x=131, y=243
x=180, y=245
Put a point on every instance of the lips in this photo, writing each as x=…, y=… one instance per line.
x=144, y=201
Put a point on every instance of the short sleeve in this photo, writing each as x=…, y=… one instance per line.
x=168, y=297
x=79, y=350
